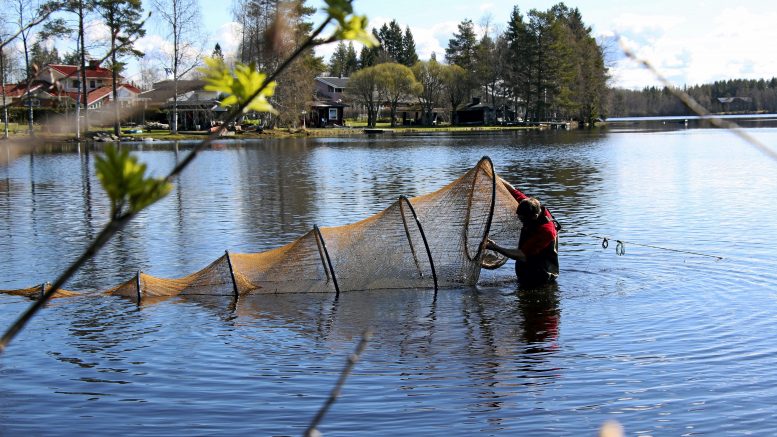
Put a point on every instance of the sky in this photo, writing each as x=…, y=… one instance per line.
x=689, y=41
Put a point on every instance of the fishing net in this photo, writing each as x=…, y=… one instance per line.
x=37, y=291
x=429, y=241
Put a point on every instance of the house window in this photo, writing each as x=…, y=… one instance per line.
x=92, y=84
x=76, y=83
x=333, y=113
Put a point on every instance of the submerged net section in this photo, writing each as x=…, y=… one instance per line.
x=37, y=291
x=434, y=240
x=217, y=279
x=298, y=267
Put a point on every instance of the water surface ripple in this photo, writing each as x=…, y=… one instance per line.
x=665, y=342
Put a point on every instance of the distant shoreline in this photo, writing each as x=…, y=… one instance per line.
x=163, y=135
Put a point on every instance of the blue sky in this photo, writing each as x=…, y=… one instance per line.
x=690, y=42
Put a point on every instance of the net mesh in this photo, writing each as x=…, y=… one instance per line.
x=433, y=240
x=37, y=291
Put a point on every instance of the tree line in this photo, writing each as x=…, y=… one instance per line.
x=538, y=65
x=724, y=96
x=546, y=65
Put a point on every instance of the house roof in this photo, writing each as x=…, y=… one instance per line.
x=734, y=99
x=162, y=91
x=20, y=89
x=130, y=87
x=98, y=94
x=91, y=71
x=51, y=91
x=12, y=90
x=327, y=104
x=102, y=92
x=336, y=82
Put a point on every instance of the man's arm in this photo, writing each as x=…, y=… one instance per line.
x=516, y=253
x=516, y=193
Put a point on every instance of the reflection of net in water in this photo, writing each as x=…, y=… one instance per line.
x=428, y=241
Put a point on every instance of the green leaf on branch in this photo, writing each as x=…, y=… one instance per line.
x=355, y=29
x=124, y=179
x=245, y=86
x=349, y=26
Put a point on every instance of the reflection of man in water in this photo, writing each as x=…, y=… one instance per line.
x=539, y=308
x=536, y=257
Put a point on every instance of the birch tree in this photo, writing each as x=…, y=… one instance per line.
x=431, y=85
x=25, y=12
x=184, y=23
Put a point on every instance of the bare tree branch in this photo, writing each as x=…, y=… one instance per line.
x=312, y=430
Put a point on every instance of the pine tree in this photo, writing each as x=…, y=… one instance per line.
x=485, y=66
x=41, y=56
x=338, y=60
x=124, y=20
x=462, y=47
x=217, y=53
x=72, y=58
x=390, y=37
x=409, y=53
x=351, y=60
x=519, y=54
x=369, y=56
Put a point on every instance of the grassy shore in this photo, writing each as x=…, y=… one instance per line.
x=19, y=132
x=321, y=132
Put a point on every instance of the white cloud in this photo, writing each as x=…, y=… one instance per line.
x=486, y=7
x=715, y=44
x=638, y=23
x=227, y=36
x=433, y=39
x=96, y=31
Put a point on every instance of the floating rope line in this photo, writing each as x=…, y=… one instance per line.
x=620, y=246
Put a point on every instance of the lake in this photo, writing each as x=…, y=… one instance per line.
x=667, y=339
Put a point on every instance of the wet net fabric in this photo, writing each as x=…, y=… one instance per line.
x=428, y=241
x=38, y=291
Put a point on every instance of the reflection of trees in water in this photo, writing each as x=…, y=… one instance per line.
x=492, y=324
x=277, y=192
x=494, y=342
x=558, y=168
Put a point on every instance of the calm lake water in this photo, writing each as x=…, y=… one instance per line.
x=666, y=342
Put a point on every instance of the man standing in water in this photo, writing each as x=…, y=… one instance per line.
x=536, y=257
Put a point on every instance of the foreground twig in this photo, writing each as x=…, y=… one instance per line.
x=121, y=220
x=312, y=430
